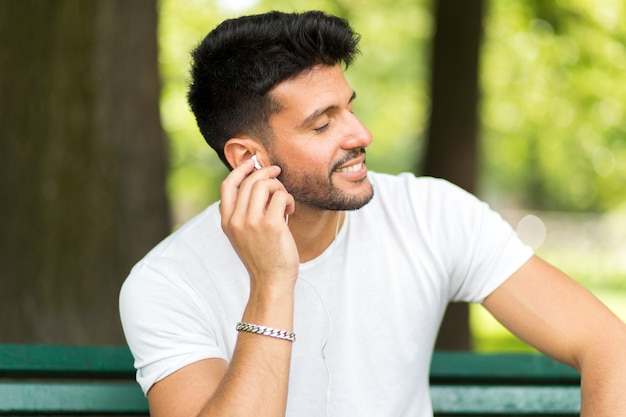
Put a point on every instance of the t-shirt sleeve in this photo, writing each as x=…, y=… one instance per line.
x=478, y=247
x=164, y=324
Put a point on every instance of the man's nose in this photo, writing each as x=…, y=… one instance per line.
x=357, y=135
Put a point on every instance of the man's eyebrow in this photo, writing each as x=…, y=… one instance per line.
x=319, y=112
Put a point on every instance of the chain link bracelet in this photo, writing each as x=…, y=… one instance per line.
x=266, y=331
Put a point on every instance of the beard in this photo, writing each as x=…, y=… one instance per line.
x=319, y=191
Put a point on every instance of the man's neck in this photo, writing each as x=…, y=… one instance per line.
x=314, y=230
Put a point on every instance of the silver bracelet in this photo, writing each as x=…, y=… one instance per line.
x=266, y=331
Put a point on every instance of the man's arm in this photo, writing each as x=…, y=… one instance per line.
x=551, y=312
x=255, y=382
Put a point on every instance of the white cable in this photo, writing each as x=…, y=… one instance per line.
x=328, y=314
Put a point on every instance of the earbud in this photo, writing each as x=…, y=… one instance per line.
x=256, y=162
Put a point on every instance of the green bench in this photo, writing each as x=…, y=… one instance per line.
x=469, y=384
x=38, y=380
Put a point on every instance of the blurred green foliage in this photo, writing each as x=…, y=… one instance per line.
x=553, y=122
x=553, y=103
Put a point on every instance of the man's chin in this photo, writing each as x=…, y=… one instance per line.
x=364, y=201
x=356, y=202
x=337, y=202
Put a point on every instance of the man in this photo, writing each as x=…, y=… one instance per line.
x=314, y=287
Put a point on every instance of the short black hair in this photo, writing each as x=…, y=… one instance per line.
x=242, y=59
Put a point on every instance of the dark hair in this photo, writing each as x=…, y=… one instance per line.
x=242, y=59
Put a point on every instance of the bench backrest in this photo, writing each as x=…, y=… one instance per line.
x=97, y=380
x=503, y=384
x=85, y=380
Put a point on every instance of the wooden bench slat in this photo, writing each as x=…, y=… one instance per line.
x=500, y=368
x=76, y=360
x=83, y=398
x=505, y=400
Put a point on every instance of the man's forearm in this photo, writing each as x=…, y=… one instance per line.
x=603, y=381
x=257, y=378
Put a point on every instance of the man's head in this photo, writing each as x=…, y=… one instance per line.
x=243, y=59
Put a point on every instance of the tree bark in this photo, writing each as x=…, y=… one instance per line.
x=451, y=150
x=82, y=161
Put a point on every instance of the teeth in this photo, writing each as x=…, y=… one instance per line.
x=351, y=168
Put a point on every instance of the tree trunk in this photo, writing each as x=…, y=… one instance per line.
x=451, y=150
x=82, y=162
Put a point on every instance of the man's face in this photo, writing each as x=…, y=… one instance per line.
x=318, y=143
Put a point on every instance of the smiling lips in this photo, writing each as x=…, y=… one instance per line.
x=351, y=168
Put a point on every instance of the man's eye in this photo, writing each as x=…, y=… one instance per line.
x=322, y=128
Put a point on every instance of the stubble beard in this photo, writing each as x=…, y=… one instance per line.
x=321, y=193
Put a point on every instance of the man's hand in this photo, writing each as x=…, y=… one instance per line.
x=253, y=207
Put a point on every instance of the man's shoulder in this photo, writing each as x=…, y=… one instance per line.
x=410, y=196
x=199, y=231
x=188, y=255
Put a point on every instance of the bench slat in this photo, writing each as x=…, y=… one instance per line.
x=505, y=400
x=58, y=360
x=83, y=398
x=501, y=368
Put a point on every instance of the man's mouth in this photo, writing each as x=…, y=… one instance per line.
x=351, y=168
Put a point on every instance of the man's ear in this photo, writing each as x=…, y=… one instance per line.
x=237, y=150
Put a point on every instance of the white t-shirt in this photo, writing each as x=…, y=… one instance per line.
x=367, y=310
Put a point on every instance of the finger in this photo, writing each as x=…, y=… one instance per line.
x=229, y=189
x=281, y=204
x=241, y=212
x=259, y=197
